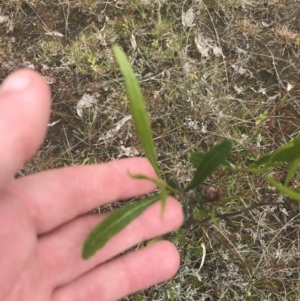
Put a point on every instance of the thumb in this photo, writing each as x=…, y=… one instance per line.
x=24, y=112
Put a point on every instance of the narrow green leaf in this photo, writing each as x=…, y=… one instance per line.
x=163, y=195
x=287, y=153
x=173, y=183
x=197, y=157
x=210, y=162
x=283, y=189
x=160, y=184
x=291, y=171
x=113, y=224
x=153, y=241
x=137, y=107
x=138, y=176
x=232, y=198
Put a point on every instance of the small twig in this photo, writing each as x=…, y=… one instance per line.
x=230, y=214
x=275, y=69
x=274, y=66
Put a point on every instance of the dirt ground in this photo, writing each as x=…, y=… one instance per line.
x=209, y=70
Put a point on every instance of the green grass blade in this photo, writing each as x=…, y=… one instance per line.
x=283, y=189
x=287, y=153
x=113, y=224
x=213, y=217
x=291, y=171
x=137, y=107
x=210, y=162
x=201, y=213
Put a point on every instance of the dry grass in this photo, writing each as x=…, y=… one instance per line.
x=249, y=93
x=286, y=34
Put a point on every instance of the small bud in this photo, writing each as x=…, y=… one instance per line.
x=213, y=195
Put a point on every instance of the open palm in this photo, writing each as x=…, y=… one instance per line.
x=43, y=222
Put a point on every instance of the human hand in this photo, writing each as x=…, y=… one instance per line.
x=42, y=221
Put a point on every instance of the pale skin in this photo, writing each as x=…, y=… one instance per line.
x=42, y=221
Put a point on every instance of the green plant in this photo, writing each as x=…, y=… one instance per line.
x=205, y=164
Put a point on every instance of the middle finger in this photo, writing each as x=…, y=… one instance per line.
x=60, y=251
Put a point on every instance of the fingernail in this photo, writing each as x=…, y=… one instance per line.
x=15, y=82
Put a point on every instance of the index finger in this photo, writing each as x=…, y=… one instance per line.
x=58, y=196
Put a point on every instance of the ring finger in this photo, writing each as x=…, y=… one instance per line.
x=124, y=276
